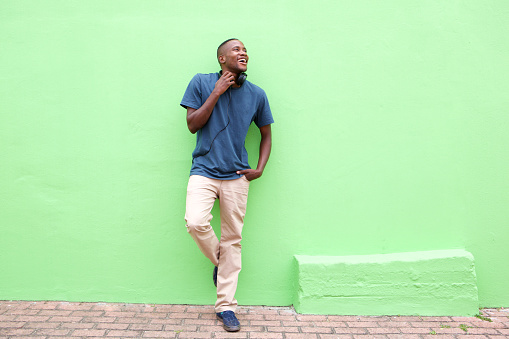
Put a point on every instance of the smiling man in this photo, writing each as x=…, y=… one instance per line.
x=220, y=108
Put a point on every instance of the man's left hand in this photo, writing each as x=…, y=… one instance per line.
x=250, y=174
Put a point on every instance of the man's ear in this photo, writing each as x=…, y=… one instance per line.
x=221, y=59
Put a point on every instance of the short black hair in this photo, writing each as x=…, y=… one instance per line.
x=224, y=43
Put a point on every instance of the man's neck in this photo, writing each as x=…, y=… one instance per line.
x=235, y=74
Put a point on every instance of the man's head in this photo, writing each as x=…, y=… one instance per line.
x=232, y=56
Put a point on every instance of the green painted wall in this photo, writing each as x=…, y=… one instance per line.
x=440, y=282
x=390, y=136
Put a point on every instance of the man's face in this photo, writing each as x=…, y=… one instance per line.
x=233, y=57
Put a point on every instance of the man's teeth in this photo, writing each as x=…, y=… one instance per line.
x=242, y=60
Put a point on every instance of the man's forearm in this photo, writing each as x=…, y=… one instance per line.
x=265, y=148
x=197, y=118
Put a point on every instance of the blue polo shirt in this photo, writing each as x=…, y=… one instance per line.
x=220, y=149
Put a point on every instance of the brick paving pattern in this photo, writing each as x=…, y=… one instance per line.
x=53, y=319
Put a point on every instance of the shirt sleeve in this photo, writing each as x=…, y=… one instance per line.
x=263, y=115
x=193, y=95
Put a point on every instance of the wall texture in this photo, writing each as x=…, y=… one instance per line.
x=390, y=136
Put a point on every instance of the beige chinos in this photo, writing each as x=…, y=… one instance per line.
x=202, y=192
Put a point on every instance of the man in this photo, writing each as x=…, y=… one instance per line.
x=220, y=108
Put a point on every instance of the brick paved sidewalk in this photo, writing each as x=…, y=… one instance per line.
x=27, y=319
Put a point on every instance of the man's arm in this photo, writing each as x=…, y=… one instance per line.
x=197, y=118
x=265, y=147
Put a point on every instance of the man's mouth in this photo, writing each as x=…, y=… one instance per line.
x=243, y=61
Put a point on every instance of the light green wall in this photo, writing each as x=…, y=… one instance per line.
x=438, y=283
x=390, y=136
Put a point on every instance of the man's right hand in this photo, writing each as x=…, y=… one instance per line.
x=224, y=82
x=197, y=118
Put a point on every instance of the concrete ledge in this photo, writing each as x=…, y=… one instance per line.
x=412, y=283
